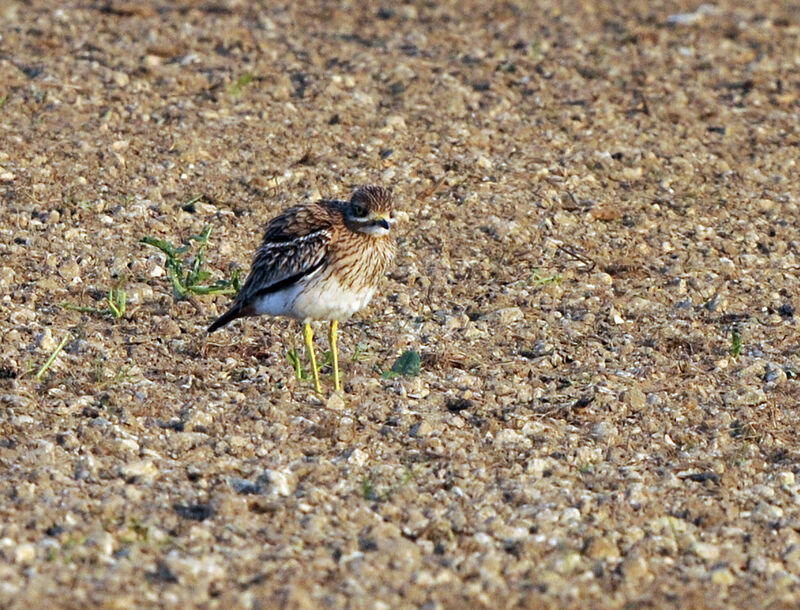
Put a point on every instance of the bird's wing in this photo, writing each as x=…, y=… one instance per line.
x=295, y=246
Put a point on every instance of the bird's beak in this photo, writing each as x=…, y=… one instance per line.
x=382, y=221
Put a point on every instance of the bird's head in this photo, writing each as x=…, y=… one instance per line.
x=370, y=211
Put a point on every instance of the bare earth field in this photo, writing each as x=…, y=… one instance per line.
x=597, y=264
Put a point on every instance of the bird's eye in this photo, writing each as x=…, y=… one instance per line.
x=359, y=211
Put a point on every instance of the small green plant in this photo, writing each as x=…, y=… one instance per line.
x=3, y=101
x=99, y=374
x=188, y=276
x=358, y=353
x=407, y=365
x=49, y=362
x=115, y=305
x=540, y=280
x=368, y=489
x=371, y=493
x=294, y=359
x=236, y=88
x=293, y=356
x=736, y=343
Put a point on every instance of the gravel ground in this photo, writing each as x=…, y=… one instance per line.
x=598, y=267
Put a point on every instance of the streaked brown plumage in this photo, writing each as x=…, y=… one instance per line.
x=319, y=261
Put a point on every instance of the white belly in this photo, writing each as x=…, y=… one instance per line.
x=315, y=300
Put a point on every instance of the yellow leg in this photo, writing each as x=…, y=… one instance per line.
x=308, y=334
x=335, y=354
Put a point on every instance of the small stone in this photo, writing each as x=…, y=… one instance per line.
x=104, y=543
x=358, y=457
x=395, y=121
x=420, y=430
x=605, y=279
x=70, y=270
x=509, y=437
x=484, y=162
x=280, y=481
x=745, y=397
x=792, y=558
x=46, y=342
x=786, y=478
x=25, y=553
x=634, y=568
x=603, y=431
x=754, y=371
x=722, y=577
x=601, y=548
x=168, y=328
x=774, y=376
x=506, y=316
x=636, y=399
x=6, y=276
x=335, y=402
x=417, y=388
x=636, y=495
x=705, y=550
x=121, y=79
x=143, y=470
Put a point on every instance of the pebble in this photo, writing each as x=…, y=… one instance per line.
x=25, y=553
x=634, y=568
x=635, y=399
x=6, y=276
x=282, y=482
x=143, y=470
x=723, y=577
x=505, y=316
x=601, y=548
x=121, y=79
x=358, y=457
x=335, y=402
x=395, y=121
x=46, y=342
x=705, y=550
x=484, y=162
x=421, y=429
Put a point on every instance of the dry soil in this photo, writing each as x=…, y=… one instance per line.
x=598, y=265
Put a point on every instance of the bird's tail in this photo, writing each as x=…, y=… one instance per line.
x=231, y=314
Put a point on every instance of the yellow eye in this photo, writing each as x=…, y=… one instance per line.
x=359, y=211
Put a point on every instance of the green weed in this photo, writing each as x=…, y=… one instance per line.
x=49, y=362
x=371, y=493
x=188, y=276
x=407, y=365
x=358, y=353
x=293, y=356
x=736, y=343
x=537, y=279
x=115, y=305
x=236, y=88
x=98, y=374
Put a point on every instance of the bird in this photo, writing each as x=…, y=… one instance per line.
x=319, y=261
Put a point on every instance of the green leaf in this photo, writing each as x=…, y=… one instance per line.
x=188, y=276
x=407, y=365
x=241, y=82
x=736, y=343
x=162, y=245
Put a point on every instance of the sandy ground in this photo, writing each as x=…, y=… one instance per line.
x=598, y=268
